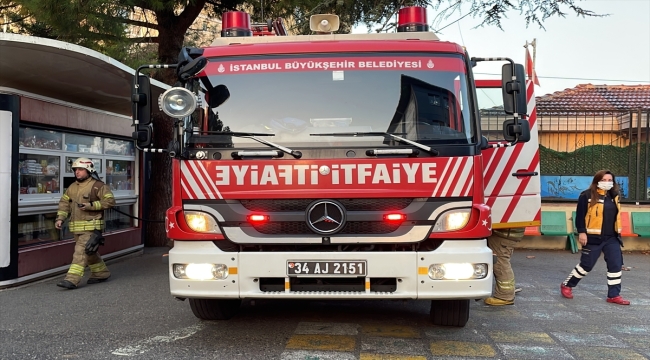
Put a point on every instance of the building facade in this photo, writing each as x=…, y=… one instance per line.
x=59, y=102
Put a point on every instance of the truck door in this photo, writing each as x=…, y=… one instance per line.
x=511, y=176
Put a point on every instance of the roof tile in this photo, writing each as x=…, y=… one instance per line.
x=591, y=99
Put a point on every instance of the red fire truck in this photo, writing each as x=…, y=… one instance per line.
x=340, y=166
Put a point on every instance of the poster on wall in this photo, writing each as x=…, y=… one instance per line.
x=569, y=187
x=5, y=183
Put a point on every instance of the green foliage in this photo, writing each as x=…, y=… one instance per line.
x=622, y=161
x=102, y=24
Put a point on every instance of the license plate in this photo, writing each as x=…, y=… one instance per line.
x=326, y=268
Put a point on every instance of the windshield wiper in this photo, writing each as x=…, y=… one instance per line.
x=254, y=136
x=428, y=149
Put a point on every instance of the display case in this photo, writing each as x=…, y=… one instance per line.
x=39, y=139
x=45, y=172
x=119, y=174
x=118, y=221
x=84, y=144
x=38, y=228
x=118, y=147
x=39, y=174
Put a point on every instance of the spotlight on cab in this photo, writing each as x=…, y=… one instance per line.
x=178, y=102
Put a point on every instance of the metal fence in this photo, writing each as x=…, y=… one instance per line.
x=574, y=146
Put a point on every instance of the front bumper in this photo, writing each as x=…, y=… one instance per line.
x=409, y=268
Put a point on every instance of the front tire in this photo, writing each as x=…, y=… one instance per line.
x=215, y=309
x=449, y=312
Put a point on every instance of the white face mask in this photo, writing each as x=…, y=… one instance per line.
x=605, y=185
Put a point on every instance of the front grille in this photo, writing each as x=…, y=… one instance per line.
x=351, y=227
x=328, y=285
x=280, y=205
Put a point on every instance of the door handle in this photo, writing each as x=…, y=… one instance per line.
x=524, y=174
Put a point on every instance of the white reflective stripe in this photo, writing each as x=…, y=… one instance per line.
x=614, y=282
x=593, y=231
x=614, y=275
x=620, y=230
x=581, y=270
x=575, y=273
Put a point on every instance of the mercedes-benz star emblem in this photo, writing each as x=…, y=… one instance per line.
x=325, y=217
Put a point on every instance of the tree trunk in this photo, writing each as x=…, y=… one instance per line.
x=172, y=30
x=160, y=183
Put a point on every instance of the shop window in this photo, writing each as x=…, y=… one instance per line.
x=39, y=174
x=39, y=139
x=117, y=221
x=84, y=144
x=118, y=147
x=119, y=175
x=39, y=228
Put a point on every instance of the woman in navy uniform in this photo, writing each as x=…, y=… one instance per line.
x=598, y=222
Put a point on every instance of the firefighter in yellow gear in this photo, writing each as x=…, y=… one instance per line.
x=84, y=202
x=502, y=243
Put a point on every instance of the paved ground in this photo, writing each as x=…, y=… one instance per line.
x=132, y=315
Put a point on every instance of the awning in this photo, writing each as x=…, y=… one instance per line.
x=67, y=72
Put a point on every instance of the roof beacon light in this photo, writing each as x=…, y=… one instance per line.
x=412, y=19
x=236, y=23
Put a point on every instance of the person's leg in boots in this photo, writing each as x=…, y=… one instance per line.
x=504, y=291
x=614, y=260
x=590, y=254
x=76, y=271
x=99, y=271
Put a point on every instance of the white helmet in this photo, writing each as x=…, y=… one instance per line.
x=84, y=163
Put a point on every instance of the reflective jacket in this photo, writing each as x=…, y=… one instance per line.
x=91, y=191
x=589, y=219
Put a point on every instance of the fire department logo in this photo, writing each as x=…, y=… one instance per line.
x=325, y=217
x=430, y=64
x=221, y=68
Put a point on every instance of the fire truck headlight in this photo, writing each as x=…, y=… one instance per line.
x=458, y=271
x=201, y=222
x=178, y=102
x=200, y=271
x=452, y=220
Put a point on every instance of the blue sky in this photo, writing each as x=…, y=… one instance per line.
x=579, y=50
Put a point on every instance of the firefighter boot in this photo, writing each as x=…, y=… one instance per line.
x=498, y=302
x=96, y=280
x=66, y=284
x=566, y=291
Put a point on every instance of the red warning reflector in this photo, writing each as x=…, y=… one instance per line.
x=394, y=217
x=258, y=218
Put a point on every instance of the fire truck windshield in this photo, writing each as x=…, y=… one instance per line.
x=421, y=97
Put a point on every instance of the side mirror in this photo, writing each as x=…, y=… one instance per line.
x=217, y=96
x=141, y=110
x=514, y=91
x=516, y=130
x=484, y=143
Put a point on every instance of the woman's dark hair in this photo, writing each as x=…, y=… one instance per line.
x=593, y=188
